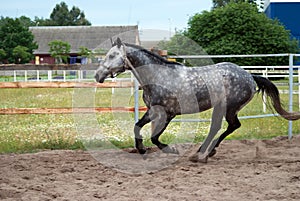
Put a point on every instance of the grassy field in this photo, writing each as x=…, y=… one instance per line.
x=31, y=132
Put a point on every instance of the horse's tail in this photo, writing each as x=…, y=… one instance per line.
x=266, y=86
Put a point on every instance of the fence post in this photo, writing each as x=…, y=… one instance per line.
x=291, y=82
x=264, y=95
x=113, y=89
x=64, y=75
x=132, y=80
x=25, y=76
x=49, y=75
x=136, y=100
x=37, y=75
x=15, y=76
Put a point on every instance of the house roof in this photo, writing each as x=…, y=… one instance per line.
x=92, y=37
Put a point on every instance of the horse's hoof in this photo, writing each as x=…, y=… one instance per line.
x=170, y=150
x=194, y=158
x=203, y=160
x=142, y=151
x=212, y=153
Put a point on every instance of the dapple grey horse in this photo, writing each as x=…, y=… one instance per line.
x=171, y=89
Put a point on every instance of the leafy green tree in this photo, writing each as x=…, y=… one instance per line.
x=62, y=16
x=59, y=50
x=2, y=55
x=26, y=21
x=238, y=28
x=85, y=52
x=13, y=33
x=21, y=54
x=222, y=3
x=182, y=45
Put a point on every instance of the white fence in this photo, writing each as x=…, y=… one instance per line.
x=46, y=75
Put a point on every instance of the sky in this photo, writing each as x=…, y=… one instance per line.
x=169, y=15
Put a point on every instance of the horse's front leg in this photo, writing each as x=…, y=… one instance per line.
x=138, y=137
x=160, y=120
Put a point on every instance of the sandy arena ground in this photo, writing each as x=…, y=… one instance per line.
x=241, y=170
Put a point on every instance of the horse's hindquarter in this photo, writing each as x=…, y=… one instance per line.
x=224, y=83
x=237, y=84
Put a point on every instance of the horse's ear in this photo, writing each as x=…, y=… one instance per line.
x=119, y=42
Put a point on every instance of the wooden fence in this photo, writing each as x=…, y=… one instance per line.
x=11, y=111
x=66, y=85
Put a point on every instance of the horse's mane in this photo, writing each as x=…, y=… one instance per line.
x=160, y=58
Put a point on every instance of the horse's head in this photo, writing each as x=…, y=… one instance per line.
x=114, y=62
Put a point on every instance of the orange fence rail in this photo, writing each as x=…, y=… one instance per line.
x=12, y=111
x=66, y=85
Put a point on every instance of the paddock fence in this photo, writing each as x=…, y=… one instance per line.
x=83, y=77
x=10, y=111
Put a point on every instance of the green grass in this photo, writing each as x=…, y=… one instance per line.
x=32, y=132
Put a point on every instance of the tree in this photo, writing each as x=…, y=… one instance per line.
x=59, y=50
x=26, y=21
x=85, y=52
x=21, y=54
x=13, y=33
x=238, y=28
x=182, y=45
x=2, y=55
x=222, y=3
x=62, y=16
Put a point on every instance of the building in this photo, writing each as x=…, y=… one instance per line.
x=287, y=12
x=91, y=37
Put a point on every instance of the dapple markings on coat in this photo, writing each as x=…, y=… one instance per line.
x=171, y=89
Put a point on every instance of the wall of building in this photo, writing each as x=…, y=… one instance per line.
x=287, y=12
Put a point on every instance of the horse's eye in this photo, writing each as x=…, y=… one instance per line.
x=111, y=56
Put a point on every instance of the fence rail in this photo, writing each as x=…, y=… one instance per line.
x=88, y=75
x=12, y=111
x=66, y=85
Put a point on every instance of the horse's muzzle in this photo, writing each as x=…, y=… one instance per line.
x=99, y=79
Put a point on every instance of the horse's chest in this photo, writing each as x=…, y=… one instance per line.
x=159, y=95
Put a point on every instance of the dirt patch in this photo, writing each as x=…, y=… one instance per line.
x=241, y=170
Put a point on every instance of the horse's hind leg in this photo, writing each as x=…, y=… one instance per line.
x=138, y=137
x=216, y=123
x=160, y=120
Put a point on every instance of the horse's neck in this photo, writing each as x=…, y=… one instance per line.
x=141, y=63
x=141, y=58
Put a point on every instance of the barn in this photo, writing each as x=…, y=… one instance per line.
x=91, y=37
x=287, y=12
